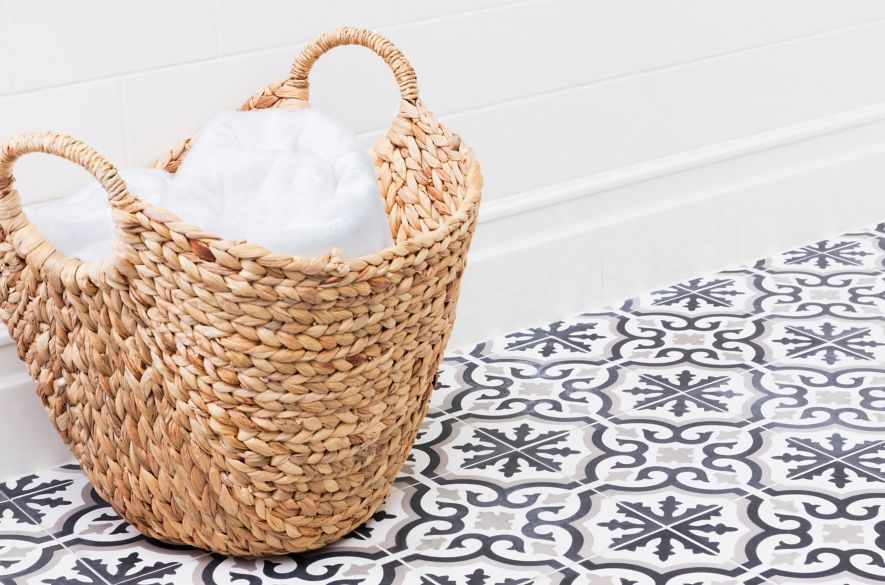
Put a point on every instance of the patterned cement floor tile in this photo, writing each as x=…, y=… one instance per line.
x=727, y=429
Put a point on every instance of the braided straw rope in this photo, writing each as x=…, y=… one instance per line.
x=221, y=395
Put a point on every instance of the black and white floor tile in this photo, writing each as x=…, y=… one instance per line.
x=728, y=429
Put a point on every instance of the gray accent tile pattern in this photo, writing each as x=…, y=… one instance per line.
x=729, y=429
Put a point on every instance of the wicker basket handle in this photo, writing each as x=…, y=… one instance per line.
x=40, y=254
x=402, y=69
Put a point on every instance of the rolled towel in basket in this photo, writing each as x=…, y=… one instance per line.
x=296, y=182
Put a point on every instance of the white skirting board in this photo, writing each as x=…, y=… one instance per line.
x=571, y=247
x=549, y=254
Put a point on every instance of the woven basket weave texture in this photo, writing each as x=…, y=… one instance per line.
x=221, y=395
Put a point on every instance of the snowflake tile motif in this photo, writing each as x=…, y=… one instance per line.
x=485, y=571
x=520, y=431
x=15, y=522
x=839, y=255
x=723, y=430
x=735, y=293
x=795, y=397
x=824, y=343
x=678, y=394
x=589, y=339
x=448, y=444
x=32, y=484
x=57, y=507
x=143, y=564
x=664, y=531
x=804, y=535
x=830, y=460
x=550, y=459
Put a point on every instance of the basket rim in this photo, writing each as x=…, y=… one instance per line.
x=331, y=261
x=131, y=214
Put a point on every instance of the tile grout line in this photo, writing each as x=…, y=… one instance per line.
x=755, y=492
x=63, y=542
x=40, y=491
x=54, y=539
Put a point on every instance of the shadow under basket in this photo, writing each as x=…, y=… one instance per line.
x=224, y=396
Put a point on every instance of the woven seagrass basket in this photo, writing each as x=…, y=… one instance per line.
x=221, y=395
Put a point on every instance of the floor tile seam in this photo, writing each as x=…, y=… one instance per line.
x=51, y=541
x=39, y=471
x=81, y=560
x=764, y=493
x=667, y=528
x=636, y=410
x=840, y=458
x=400, y=558
x=39, y=524
x=571, y=345
x=826, y=342
x=560, y=474
x=812, y=471
x=76, y=553
x=627, y=364
x=567, y=563
x=475, y=464
x=55, y=540
x=474, y=425
x=607, y=417
x=861, y=470
x=547, y=337
x=733, y=565
x=41, y=491
x=661, y=526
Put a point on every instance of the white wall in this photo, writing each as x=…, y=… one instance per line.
x=625, y=143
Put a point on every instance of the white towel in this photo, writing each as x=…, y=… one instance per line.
x=296, y=182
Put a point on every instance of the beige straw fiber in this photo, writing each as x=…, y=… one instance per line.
x=222, y=395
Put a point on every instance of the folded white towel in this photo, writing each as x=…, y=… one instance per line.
x=80, y=225
x=296, y=182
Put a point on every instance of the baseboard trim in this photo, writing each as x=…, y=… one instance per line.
x=595, y=242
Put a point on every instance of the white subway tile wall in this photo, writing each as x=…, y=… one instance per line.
x=793, y=18
x=595, y=125
x=545, y=90
x=756, y=90
x=91, y=111
x=249, y=26
x=59, y=42
x=5, y=53
x=678, y=31
x=856, y=76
